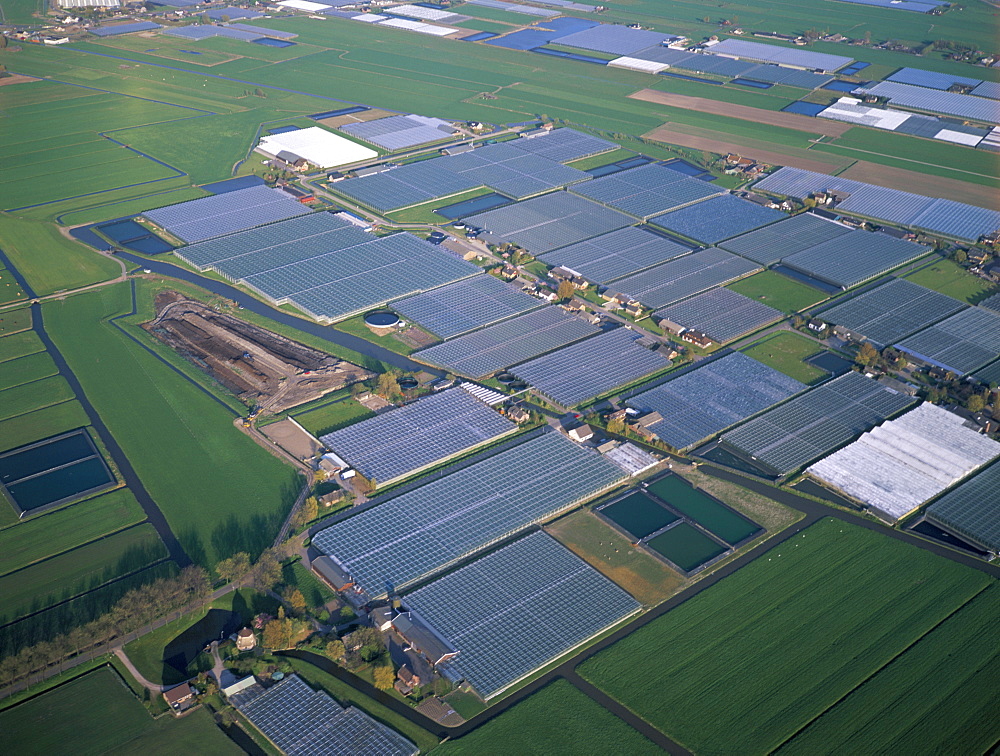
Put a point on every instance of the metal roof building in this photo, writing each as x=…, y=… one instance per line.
x=972, y=510
x=789, y=56
x=897, y=466
x=934, y=101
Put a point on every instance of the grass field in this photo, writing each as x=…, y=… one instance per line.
x=647, y=579
x=950, y=278
x=55, y=532
x=97, y=714
x=297, y=575
x=14, y=321
x=42, y=423
x=21, y=11
x=333, y=416
x=22, y=370
x=557, y=719
x=746, y=671
x=786, y=351
x=220, y=492
x=79, y=570
x=28, y=397
x=10, y=289
x=923, y=697
x=778, y=291
x=19, y=345
x=48, y=260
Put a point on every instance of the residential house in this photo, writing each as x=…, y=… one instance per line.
x=581, y=433
x=179, y=696
x=381, y=618
x=816, y=325
x=406, y=681
x=697, y=338
x=423, y=639
x=246, y=640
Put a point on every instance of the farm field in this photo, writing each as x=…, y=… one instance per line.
x=48, y=260
x=949, y=278
x=297, y=575
x=98, y=714
x=786, y=351
x=778, y=291
x=60, y=530
x=745, y=668
x=333, y=416
x=556, y=719
x=232, y=494
x=42, y=423
x=25, y=370
x=923, y=696
x=28, y=397
x=79, y=570
x=10, y=289
x=11, y=322
x=19, y=345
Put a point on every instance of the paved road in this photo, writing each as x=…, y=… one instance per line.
x=151, y=686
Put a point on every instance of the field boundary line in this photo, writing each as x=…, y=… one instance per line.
x=79, y=545
x=905, y=160
x=875, y=673
x=35, y=409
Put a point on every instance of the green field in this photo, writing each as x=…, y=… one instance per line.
x=28, y=397
x=297, y=575
x=97, y=714
x=220, y=492
x=950, y=278
x=764, y=652
x=14, y=321
x=55, y=532
x=923, y=697
x=42, y=423
x=21, y=11
x=333, y=416
x=558, y=719
x=22, y=370
x=778, y=291
x=786, y=351
x=79, y=570
x=48, y=260
x=10, y=289
x=19, y=345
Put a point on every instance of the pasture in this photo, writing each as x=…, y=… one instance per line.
x=97, y=714
x=19, y=345
x=28, y=397
x=49, y=261
x=38, y=538
x=11, y=322
x=10, y=289
x=786, y=351
x=79, y=570
x=220, y=492
x=744, y=666
x=556, y=719
x=333, y=416
x=948, y=277
x=778, y=291
x=924, y=699
x=42, y=423
x=26, y=369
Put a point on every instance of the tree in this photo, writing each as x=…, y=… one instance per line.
x=384, y=677
x=3, y=42
x=388, y=386
x=267, y=572
x=335, y=649
x=310, y=509
x=233, y=568
x=976, y=403
x=297, y=600
x=278, y=633
x=961, y=256
x=565, y=290
x=616, y=426
x=867, y=354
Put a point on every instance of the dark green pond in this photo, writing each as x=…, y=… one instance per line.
x=638, y=514
x=715, y=517
x=686, y=546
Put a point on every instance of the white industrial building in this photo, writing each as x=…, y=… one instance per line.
x=317, y=146
x=899, y=465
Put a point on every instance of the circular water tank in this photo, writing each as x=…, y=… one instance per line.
x=506, y=378
x=407, y=383
x=519, y=385
x=381, y=319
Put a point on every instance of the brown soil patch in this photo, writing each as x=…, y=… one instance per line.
x=744, y=112
x=610, y=553
x=920, y=183
x=671, y=134
x=16, y=79
x=252, y=362
x=290, y=437
x=364, y=115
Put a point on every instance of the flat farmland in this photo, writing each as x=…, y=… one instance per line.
x=925, y=696
x=743, y=112
x=787, y=351
x=557, y=719
x=98, y=714
x=10, y=290
x=14, y=321
x=333, y=416
x=28, y=397
x=738, y=668
x=18, y=345
x=21, y=370
x=220, y=492
x=948, y=277
x=49, y=261
x=57, y=531
x=79, y=570
x=778, y=291
x=42, y=423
